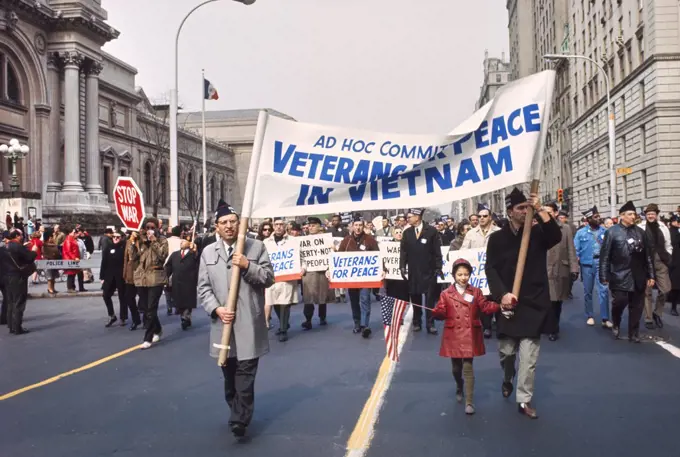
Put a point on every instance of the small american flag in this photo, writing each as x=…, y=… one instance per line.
x=392, y=310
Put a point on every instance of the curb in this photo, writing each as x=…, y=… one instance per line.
x=93, y=293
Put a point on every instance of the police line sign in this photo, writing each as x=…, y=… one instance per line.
x=337, y=169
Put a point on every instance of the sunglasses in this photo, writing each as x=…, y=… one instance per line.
x=116, y=237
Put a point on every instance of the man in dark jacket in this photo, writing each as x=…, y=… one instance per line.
x=533, y=315
x=182, y=270
x=111, y=275
x=626, y=266
x=421, y=253
x=16, y=260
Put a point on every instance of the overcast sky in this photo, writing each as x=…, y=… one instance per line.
x=403, y=66
x=408, y=66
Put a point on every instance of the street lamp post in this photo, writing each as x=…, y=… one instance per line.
x=174, y=169
x=14, y=151
x=610, y=124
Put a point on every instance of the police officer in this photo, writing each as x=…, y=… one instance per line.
x=588, y=241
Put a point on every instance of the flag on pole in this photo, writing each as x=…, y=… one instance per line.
x=209, y=92
x=392, y=310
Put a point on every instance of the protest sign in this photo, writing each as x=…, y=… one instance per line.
x=477, y=258
x=285, y=259
x=355, y=270
x=336, y=241
x=336, y=169
x=384, y=239
x=315, y=251
x=390, y=251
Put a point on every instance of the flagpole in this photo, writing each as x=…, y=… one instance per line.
x=205, y=167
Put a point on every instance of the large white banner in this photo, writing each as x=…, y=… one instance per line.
x=335, y=169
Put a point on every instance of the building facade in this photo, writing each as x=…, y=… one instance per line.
x=86, y=123
x=497, y=72
x=638, y=44
x=522, y=35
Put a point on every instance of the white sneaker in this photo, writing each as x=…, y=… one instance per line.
x=590, y=321
x=145, y=345
x=156, y=338
x=607, y=324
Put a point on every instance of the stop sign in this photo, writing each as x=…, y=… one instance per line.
x=129, y=203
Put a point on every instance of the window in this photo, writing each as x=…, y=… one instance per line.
x=643, y=140
x=623, y=149
x=222, y=189
x=624, y=187
x=641, y=87
x=622, y=67
x=623, y=107
x=190, y=190
x=123, y=172
x=629, y=55
x=147, y=182
x=596, y=126
x=213, y=202
x=163, y=185
x=641, y=48
x=498, y=77
x=106, y=183
x=643, y=183
x=10, y=89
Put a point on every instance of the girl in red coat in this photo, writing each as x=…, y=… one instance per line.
x=463, y=338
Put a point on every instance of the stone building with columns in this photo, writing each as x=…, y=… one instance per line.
x=84, y=120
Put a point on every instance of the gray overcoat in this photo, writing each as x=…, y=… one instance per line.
x=250, y=335
x=561, y=262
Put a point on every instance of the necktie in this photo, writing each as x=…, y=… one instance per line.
x=417, y=232
x=183, y=252
x=229, y=251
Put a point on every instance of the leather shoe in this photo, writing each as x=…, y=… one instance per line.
x=283, y=337
x=616, y=331
x=133, y=327
x=307, y=325
x=553, y=337
x=527, y=410
x=657, y=320
x=417, y=328
x=506, y=389
x=487, y=333
x=635, y=338
x=674, y=312
x=239, y=430
x=432, y=330
x=21, y=331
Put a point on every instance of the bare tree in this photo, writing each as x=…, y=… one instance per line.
x=154, y=129
x=191, y=180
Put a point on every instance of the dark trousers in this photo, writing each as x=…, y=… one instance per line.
x=557, y=310
x=635, y=302
x=431, y=298
x=283, y=313
x=71, y=281
x=16, y=288
x=109, y=287
x=308, y=311
x=148, y=301
x=3, y=308
x=239, y=389
x=131, y=302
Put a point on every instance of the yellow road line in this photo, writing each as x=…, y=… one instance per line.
x=68, y=373
x=361, y=436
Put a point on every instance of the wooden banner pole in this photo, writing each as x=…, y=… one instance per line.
x=524, y=246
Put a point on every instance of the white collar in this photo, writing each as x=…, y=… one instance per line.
x=460, y=288
x=419, y=227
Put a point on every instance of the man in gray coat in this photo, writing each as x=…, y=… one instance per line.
x=249, y=338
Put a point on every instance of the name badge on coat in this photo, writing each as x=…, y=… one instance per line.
x=631, y=241
x=468, y=298
x=112, y=251
x=423, y=240
x=362, y=247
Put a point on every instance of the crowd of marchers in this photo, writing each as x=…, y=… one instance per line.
x=631, y=258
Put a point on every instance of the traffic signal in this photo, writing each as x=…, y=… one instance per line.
x=560, y=195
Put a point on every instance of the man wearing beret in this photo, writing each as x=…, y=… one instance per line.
x=249, y=337
x=659, y=239
x=533, y=315
x=421, y=254
x=626, y=266
x=588, y=242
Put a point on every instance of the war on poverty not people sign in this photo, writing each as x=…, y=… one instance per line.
x=315, y=168
x=315, y=251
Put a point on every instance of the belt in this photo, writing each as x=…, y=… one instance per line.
x=596, y=257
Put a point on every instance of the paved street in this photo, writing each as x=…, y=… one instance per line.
x=595, y=396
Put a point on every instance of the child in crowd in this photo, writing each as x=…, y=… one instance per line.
x=460, y=306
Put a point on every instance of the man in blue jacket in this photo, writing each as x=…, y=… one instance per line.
x=588, y=241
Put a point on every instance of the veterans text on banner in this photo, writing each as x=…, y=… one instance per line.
x=285, y=259
x=337, y=169
x=355, y=270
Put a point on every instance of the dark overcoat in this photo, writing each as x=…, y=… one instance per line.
x=533, y=314
x=674, y=268
x=463, y=334
x=183, y=272
x=423, y=256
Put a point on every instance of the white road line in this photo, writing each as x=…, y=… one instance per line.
x=670, y=348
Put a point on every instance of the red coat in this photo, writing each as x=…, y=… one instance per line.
x=70, y=251
x=463, y=336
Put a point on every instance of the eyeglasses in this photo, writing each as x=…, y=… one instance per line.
x=116, y=238
x=266, y=229
x=483, y=215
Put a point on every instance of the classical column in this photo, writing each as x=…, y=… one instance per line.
x=92, y=128
x=72, y=62
x=53, y=158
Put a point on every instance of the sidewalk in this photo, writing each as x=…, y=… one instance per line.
x=40, y=290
